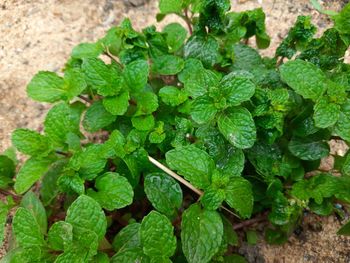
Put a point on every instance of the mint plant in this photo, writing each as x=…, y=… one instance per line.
x=159, y=146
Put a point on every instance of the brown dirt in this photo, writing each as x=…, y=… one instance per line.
x=39, y=35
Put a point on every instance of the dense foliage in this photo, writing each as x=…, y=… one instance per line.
x=244, y=132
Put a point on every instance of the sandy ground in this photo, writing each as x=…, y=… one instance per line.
x=39, y=35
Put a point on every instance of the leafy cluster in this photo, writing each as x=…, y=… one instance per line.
x=244, y=132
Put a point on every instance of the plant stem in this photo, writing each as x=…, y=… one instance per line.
x=84, y=99
x=14, y=196
x=188, y=21
x=183, y=181
x=250, y=222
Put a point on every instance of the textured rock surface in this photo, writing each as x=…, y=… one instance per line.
x=39, y=35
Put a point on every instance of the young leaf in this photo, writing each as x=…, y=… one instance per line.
x=106, y=79
x=147, y=102
x=237, y=125
x=194, y=164
x=87, y=50
x=172, y=96
x=341, y=20
x=97, y=117
x=46, y=86
x=317, y=187
x=60, y=235
x=30, y=142
x=213, y=198
x=239, y=196
x=117, y=105
x=304, y=78
x=236, y=89
x=201, y=234
x=196, y=78
x=74, y=83
x=136, y=75
x=167, y=65
x=170, y=6
x=157, y=235
x=30, y=172
x=164, y=192
x=86, y=213
x=127, y=238
x=342, y=127
x=113, y=191
x=143, y=123
x=26, y=229
x=175, y=36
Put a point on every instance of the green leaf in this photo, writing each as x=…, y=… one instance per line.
x=203, y=109
x=33, y=204
x=117, y=105
x=87, y=50
x=317, y=187
x=194, y=164
x=342, y=20
x=48, y=189
x=97, y=117
x=213, y=198
x=163, y=192
x=304, y=78
x=206, y=49
x=237, y=125
x=30, y=172
x=74, y=83
x=113, y=191
x=175, y=36
x=127, y=238
x=46, y=86
x=106, y=79
x=59, y=122
x=143, y=123
x=147, y=102
x=86, y=213
x=114, y=146
x=60, y=235
x=7, y=171
x=326, y=113
x=30, y=142
x=344, y=230
x=167, y=65
x=136, y=74
x=170, y=6
x=232, y=162
x=71, y=184
x=239, y=196
x=236, y=89
x=4, y=209
x=201, y=234
x=307, y=149
x=157, y=235
x=172, y=96
x=26, y=229
x=196, y=78
x=342, y=127
x=130, y=256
